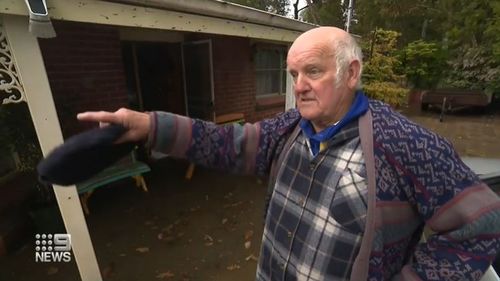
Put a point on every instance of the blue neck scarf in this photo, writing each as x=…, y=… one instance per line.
x=358, y=108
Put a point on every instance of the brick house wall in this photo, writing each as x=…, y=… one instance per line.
x=85, y=71
x=234, y=83
x=234, y=79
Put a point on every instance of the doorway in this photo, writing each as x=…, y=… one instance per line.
x=198, y=79
x=154, y=76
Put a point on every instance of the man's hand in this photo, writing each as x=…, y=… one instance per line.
x=137, y=123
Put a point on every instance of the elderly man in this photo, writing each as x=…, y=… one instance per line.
x=353, y=182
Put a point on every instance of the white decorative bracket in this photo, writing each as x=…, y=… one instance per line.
x=11, y=89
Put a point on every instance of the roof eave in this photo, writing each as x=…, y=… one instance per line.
x=224, y=10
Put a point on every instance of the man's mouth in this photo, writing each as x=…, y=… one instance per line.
x=306, y=99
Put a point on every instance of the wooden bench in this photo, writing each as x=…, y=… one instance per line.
x=449, y=100
x=127, y=168
x=219, y=120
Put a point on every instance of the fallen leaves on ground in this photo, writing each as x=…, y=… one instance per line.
x=233, y=204
x=233, y=267
x=195, y=208
x=109, y=270
x=52, y=270
x=209, y=240
x=168, y=228
x=251, y=257
x=169, y=234
x=142, y=249
x=248, y=235
x=165, y=275
x=165, y=237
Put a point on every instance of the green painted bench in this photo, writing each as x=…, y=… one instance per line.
x=129, y=167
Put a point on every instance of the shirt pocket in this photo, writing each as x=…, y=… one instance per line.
x=349, y=204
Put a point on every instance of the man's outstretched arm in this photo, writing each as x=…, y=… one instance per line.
x=247, y=148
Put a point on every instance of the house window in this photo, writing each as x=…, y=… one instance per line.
x=270, y=71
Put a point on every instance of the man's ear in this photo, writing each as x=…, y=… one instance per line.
x=353, y=74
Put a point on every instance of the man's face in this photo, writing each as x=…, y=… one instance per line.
x=313, y=68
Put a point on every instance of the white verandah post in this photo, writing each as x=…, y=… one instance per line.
x=22, y=49
x=289, y=97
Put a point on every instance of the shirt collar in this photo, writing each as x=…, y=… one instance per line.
x=358, y=108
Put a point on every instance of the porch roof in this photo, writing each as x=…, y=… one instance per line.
x=203, y=16
x=224, y=10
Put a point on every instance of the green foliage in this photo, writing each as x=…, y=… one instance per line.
x=279, y=7
x=493, y=30
x=423, y=64
x=474, y=68
x=381, y=77
x=473, y=40
x=468, y=32
x=18, y=134
x=382, y=59
x=415, y=19
x=389, y=92
x=329, y=13
x=468, y=23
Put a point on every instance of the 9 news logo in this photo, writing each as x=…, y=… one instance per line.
x=53, y=247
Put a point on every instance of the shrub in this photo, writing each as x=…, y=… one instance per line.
x=423, y=64
x=388, y=92
x=381, y=78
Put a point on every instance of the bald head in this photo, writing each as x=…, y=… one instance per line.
x=331, y=41
x=325, y=35
x=325, y=64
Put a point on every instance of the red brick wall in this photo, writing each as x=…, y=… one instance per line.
x=234, y=78
x=234, y=83
x=260, y=114
x=85, y=71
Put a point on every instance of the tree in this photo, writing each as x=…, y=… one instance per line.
x=279, y=7
x=381, y=78
x=473, y=41
x=468, y=31
x=423, y=63
x=493, y=30
x=325, y=13
x=414, y=19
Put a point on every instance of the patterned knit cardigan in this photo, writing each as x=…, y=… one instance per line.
x=415, y=178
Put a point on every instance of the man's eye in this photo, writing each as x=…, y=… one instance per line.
x=313, y=72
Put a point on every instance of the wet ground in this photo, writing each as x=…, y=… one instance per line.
x=473, y=133
x=208, y=228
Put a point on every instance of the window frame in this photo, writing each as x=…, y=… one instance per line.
x=282, y=51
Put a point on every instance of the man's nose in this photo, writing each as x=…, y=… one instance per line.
x=301, y=84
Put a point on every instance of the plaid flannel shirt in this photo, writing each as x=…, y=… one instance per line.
x=317, y=212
